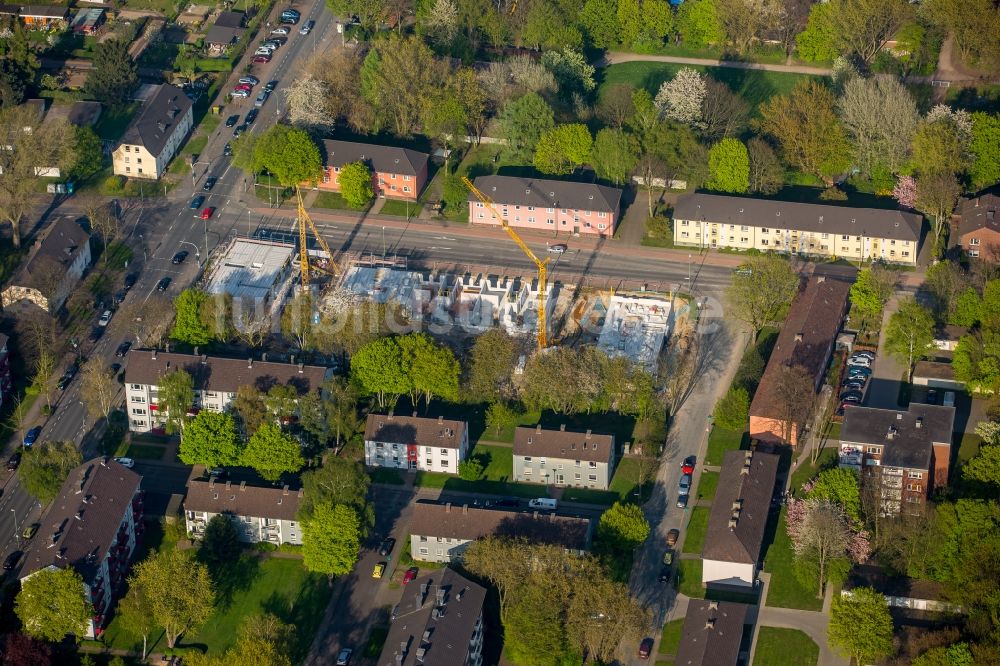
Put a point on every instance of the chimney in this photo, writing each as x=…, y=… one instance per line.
x=562, y=427
x=243, y=486
x=538, y=429
x=167, y=346
x=920, y=422
x=204, y=359
x=301, y=367
x=414, y=413
x=798, y=337
x=588, y=434
x=977, y=203
x=732, y=524
x=263, y=357
x=229, y=484
x=196, y=351
x=746, y=469
x=250, y=362
x=299, y=495
x=713, y=605
x=447, y=507
x=899, y=416
x=710, y=623
x=154, y=354
x=389, y=416
x=284, y=490
x=440, y=420
x=737, y=504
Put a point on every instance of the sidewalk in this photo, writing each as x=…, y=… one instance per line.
x=615, y=57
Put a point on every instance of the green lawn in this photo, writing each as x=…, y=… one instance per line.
x=400, y=208
x=785, y=591
x=755, y=86
x=828, y=458
x=707, y=484
x=968, y=447
x=483, y=486
x=788, y=647
x=388, y=476
x=112, y=123
x=694, y=537
x=670, y=639
x=145, y=452
x=332, y=200
x=689, y=579
x=720, y=441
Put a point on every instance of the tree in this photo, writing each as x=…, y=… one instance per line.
x=339, y=481
x=43, y=379
x=210, y=439
x=723, y=112
x=248, y=404
x=308, y=104
x=89, y=153
x=563, y=149
x=985, y=467
x=880, y=117
x=614, y=155
x=864, y=26
x=22, y=650
x=698, y=23
x=937, y=193
x=806, y=128
x=860, y=625
x=289, y=153
x=178, y=590
x=967, y=309
x=746, y=21
x=571, y=70
x=599, y=19
x=331, y=539
x=840, y=486
x=188, y=325
x=356, y=184
x=623, y=525
x=341, y=406
x=729, y=164
x=733, y=409
x=114, y=75
x=910, y=333
x=272, y=453
x=471, y=469
x=615, y=105
x=442, y=22
x=819, y=41
x=45, y=467
x=501, y=562
x=99, y=388
x=869, y=294
x=523, y=121
x=985, y=148
x=263, y=640
x=220, y=545
x=433, y=368
x=52, y=604
x=18, y=67
x=378, y=369
x=134, y=616
x=965, y=19
x=681, y=97
x=500, y=416
x=766, y=173
x=493, y=355
x=216, y=315
x=176, y=399
x=601, y=616
x=938, y=148
x=795, y=394
x=820, y=535
x=761, y=294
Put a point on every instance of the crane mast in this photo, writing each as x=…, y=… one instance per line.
x=303, y=220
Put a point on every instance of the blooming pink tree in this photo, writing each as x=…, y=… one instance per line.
x=905, y=191
x=859, y=548
x=794, y=517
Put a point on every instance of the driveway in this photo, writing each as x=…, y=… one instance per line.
x=883, y=390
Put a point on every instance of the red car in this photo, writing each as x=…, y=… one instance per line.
x=244, y=86
x=207, y=213
x=645, y=648
x=687, y=467
x=410, y=574
x=262, y=59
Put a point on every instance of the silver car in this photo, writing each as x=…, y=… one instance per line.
x=684, y=487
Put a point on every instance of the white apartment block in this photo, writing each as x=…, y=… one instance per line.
x=155, y=136
x=260, y=514
x=415, y=443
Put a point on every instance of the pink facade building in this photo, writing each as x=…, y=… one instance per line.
x=548, y=205
x=397, y=173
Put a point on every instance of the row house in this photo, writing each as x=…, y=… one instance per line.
x=733, y=551
x=438, y=621
x=155, y=135
x=260, y=514
x=38, y=17
x=216, y=381
x=904, y=455
x=740, y=223
x=806, y=341
x=977, y=226
x=440, y=532
x=397, y=173
x=55, y=265
x=93, y=527
x=548, y=205
x=712, y=633
x=563, y=457
x=415, y=443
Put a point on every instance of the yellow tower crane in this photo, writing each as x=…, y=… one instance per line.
x=539, y=263
x=303, y=220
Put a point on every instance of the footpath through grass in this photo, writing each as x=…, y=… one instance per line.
x=788, y=647
x=785, y=590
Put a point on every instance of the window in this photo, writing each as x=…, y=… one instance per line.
x=550, y=221
x=599, y=226
x=527, y=459
x=586, y=213
x=140, y=170
x=527, y=471
x=429, y=462
x=744, y=239
x=972, y=241
x=592, y=477
x=517, y=207
x=444, y=463
x=684, y=223
x=393, y=176
x=845, y=237
x=444, y=452
x=684, y=234
x=763, y=241
x=326, y=176
x=138, y=411
x=138, y=424
x=136, y=387
x=423, y=551
x=541, y=461
x=576, y=462
x=138, y=160
x=138, y=398
x=914, y=486
x=743, y=228
x=336, y=169
x=531, y=219
x=577, y=476
x=875, y=450
x=550, y=210
x=972, y=253
x=530, y=208
x=128, y=169
x=593, y=465
x=892, y=242
x=128, y=148
x=916, y=475
x=479, y=204
x=913, y=499
x=127, y=159
x=906, y=253
x=764, y=230
x=406, y=178
x=480, y=216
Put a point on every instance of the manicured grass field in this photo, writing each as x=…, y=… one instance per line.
x=689, y=579
x=113, y=123
x=720, y=441
x=827, y=458
x=389, y=476
x=670, y=639
x=400, y=208
x=694, y=537
x=332, y=200
x=755, y=86
x=707, y=485
x=785, y=590
x=483, y=486
x=145, y=452
x=789, y=647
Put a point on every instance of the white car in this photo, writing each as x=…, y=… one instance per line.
x=240, y=93
x=105, y=318
x=859, y=361
x=264, y=50
x=280, y=31
x=249, y=80
x=125, y=462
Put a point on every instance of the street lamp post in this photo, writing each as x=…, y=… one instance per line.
x=197, y=252
x=17, y=535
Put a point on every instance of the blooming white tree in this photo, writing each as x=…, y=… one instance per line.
x=442, y=21
x=960, y=118
x=307, y=103
x=681, y=98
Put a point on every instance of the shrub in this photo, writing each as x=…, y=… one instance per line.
x=114, y=184
x=733, y=409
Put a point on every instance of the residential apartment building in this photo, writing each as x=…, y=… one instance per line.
x=155, y=135
x=441, y=532
x=712, y=633
x=260, y=514
x=6, y=382
x=438, y=621
x=563, y=457
x=903, y=454
x=397, y=173
x=806, y=340
x=91, y=526
x=741, y=223
x=733, y=542
x=53, y=268
x=978, y=229
x=216, y=381
x=415, y=443
x=548, y=205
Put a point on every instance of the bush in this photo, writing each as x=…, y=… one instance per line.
x=733, y=410
x=659, y=227
x=471, y=469
x=833, y=193
x=114, y=184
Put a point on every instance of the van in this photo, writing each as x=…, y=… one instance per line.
x=544, y=503
x=949, y=399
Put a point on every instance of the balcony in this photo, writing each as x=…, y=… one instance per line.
x=851, y=459
x=892, y=481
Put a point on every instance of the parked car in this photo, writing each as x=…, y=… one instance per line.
x=67, y=377
x=273, y=44
x=852, y=396
x=672, y=537
x=854, y=385
x=850, y=400
x=386, y=547
x=251, y=116
x=260, y=59
x=179, y=257
x=645, y=648
x=664, y=576
x=239, y=130
x=344, y=657
x=227, y=150
x=271, y=85
x=558, y=248
x=244, y=86
x=508, y=502
x=130, y=280
x=105, y=318
x=410, y=574
x=251, y=80
x=125, y=462
x=31, y=436
x=280, y=40
x=687, y=467
x=163, y=284
x=243, y=94
x=261, y=98
x=668, y=557
x=545, y=503
x=684, y=485
x=209, y=183
x=307, y=28
x=96, y=333
x=13, y=461
x=862, y=361
x=281, y=30
x=11, y=560
x=207, y=213
x=290, y=19
x=378, y=570
x=859, y=371
x=262, y=51
x=232, y=120
x=123, y=349
x=682, y=501
x=30, y=530
x=865, y=353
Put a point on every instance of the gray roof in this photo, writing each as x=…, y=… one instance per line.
x=57, y=249
x=212, y=373
x=394, y=429
x=445, y=638
x=81, y=524
x=45, y=11
x=158, y=119
x=383, y=159
x=934, y=370
x=872, y=576
x=753, y=490
x=220, y=34
x=979, y=213
x=712, y=633
x=433, y=519
x=544, y=193
x=242, y=500
x=908, y=437
x=820, y=218
x=230, y=19
x=564, y=444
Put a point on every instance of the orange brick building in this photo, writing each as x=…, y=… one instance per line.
x=397, y=173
